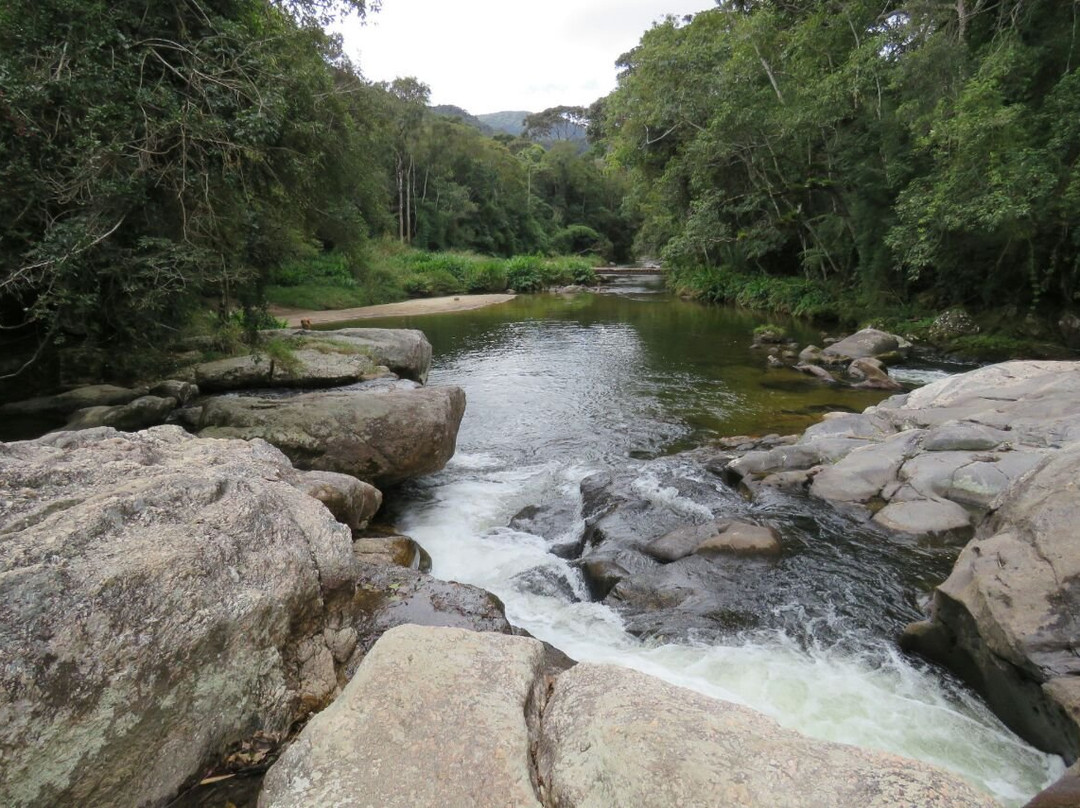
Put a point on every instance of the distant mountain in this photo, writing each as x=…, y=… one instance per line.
x=512, y=122
x=450, y=111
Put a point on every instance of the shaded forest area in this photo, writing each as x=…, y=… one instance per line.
x=910, y=155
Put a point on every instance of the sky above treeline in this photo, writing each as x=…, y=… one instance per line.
x=494, y=55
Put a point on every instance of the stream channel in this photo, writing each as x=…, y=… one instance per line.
x=561, y=387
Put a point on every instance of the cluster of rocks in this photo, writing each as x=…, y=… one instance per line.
x=163, y=596
x=858, y=360
x=488, y=720
x=386, y=427
x=992, y=454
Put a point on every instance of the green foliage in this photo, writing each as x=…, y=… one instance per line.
x=860, y=150
x=525, y=273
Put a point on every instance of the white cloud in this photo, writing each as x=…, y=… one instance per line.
x=491, y=55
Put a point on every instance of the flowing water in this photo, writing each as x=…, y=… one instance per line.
x=559, y=387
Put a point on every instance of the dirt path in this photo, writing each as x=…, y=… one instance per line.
x=406, y=308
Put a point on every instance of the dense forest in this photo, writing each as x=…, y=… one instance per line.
x=896, y=153
x=161, y=158
x=158, y=158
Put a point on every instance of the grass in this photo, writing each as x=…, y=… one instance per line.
x=387, y=272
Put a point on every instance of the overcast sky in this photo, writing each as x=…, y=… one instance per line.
x=493, y=55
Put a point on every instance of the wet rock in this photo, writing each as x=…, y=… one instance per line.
x=601, y=575
x=614, y=736
x=61, y=404
x=381, y=437
x=810, y=355
x=720, y=536
x=558, y=522
x=817, y=372
x=868, y=342
x=351, y=501
x=547, y=581
x=388, y=595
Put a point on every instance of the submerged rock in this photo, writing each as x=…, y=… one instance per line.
x=447, y=717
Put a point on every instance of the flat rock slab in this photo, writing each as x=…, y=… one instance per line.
x=613, y=736
x=430, y=718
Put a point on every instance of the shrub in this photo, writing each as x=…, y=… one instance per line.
x=524, y=273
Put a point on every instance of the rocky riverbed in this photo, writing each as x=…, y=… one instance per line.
x=165, y=596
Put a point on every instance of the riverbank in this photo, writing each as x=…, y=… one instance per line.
x=405, y=308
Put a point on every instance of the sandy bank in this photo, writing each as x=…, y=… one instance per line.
x=406, y=308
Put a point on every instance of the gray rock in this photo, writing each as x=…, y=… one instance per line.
x=926, y=517
x=351, y=501
x=381, y=437
x=868, y=342
x=810, y=355
x=158, y=595
x=141, y=413
x=430, y=718
x=614, y=736
x=817, y=372
x=97, y=395
x=398, y=551
x=1008, y=617
x=963, y=436
x=404, y=351
x=872, y=374
x=232, y=373
x=863, y=474
x=182, y=391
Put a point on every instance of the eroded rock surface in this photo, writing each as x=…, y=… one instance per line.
x=926, y=459
x=449, y=717
x=1008, y=617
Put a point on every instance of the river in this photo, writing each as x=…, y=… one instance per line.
x=560, y=387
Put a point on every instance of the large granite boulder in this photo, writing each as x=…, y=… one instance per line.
x=614, y=736
x=380, y=436
x=156, y=594
x=163, y=597
x=449, y=717
x=432, y=717
x=1008, y=617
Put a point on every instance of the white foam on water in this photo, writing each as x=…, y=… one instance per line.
x=882, y=700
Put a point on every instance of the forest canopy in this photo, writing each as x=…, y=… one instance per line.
x=924, y=149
